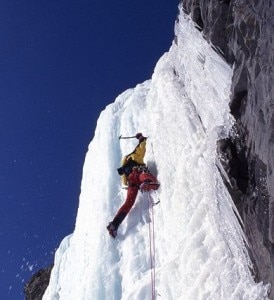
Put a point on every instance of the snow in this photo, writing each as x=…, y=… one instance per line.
x=200, y=247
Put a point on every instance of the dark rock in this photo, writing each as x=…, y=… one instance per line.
x=36, y=287
x=243, y=32
x=215, y=20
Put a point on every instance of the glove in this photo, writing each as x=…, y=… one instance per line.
x=138, y=136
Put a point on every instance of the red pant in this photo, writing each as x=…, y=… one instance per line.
x=135, y=178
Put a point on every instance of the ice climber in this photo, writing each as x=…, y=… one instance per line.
x=135, y=175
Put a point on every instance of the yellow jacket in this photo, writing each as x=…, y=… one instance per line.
x=137, y=156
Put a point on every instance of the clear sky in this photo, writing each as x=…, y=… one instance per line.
x=61, y=63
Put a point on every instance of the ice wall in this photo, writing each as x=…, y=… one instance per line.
x=200, y=248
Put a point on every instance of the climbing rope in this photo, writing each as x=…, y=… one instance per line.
x=151, y=203
x=152, y=246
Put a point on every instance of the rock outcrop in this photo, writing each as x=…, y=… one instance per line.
x=36, y=287
x=242, y=31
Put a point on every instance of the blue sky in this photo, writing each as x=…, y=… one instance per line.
x=61, y=62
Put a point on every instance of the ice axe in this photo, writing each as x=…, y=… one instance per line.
x=126, y=137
